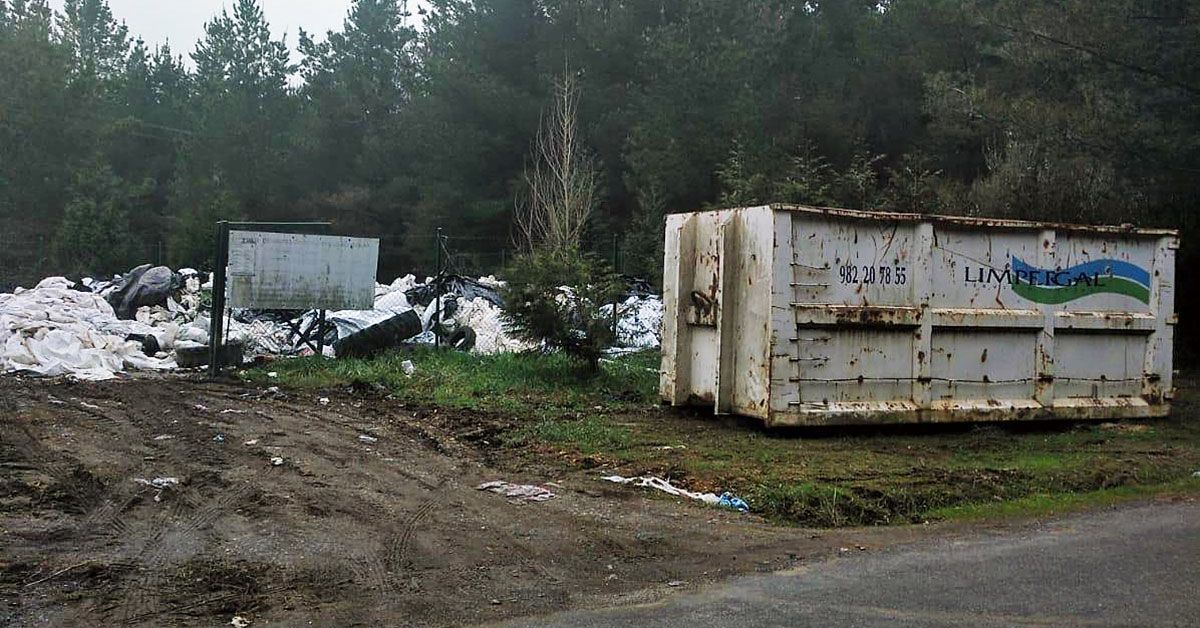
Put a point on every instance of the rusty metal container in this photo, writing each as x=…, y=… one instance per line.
x=814, y=316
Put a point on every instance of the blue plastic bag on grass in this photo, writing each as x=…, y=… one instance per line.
x=728, y=500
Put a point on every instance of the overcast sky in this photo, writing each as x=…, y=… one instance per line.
x=181, y=22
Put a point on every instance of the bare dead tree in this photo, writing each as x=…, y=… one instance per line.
x=560, y=179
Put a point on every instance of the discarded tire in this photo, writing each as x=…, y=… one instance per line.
x=463, y=339
x=379, y=337
x=149, y=343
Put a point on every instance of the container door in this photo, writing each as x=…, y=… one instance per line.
x=693, y=300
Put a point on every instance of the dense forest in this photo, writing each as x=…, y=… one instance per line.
x=113, y=152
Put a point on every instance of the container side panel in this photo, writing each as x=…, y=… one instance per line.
x=1030, y=270
x=1094, y=366
x=852, y=262
x=854, y=314
x=983, y=364
x=858, y=364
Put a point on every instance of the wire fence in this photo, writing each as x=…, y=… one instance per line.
x=26, y=259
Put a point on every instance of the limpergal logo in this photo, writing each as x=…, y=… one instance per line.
x=1060, y=285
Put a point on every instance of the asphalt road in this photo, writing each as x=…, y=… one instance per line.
x=1136, y=565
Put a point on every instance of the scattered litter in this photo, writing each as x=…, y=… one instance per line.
x=239, y=622
x=367, y=439
x=276, y=461
x=219, y=438
x=676, y=583
x=1131, y=428
x=1196, y=474
x=159, y=483
x=52, y=399
x=495, y=602
x=670, y=447
x=664, y=486
x=272, y=374
x=201, y=407
x=728, y=500
x=524, y=492
x=251, y=443
x=164, y=437
x=89, y=406
x=408, y=367
x=232, y=411
x=323, y=401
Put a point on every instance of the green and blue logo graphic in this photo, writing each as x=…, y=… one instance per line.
x=1060, y=285
x=1106, y=276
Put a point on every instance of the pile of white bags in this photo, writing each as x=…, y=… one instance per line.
x=54, y=330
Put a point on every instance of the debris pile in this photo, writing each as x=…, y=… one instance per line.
x=639, y=322
x=139, y=320
x=52, y=329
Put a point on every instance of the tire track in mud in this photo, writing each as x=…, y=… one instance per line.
x=398, y=548
x=383, y=570
x=142, y=594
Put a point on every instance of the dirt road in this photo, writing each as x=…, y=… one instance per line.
x=350, y=510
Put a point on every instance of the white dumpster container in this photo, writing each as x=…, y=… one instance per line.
x=807, y=316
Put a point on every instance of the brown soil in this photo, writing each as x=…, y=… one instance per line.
x=346, y=531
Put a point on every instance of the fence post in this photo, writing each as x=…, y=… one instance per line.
x=616, y=298
x=437, y=288
x=216, y=328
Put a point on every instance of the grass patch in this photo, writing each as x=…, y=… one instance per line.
x=1044, y=504
x=505, y=382
x=588, y=436
x=837, y=478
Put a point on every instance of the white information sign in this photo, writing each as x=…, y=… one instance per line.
x=291, y=271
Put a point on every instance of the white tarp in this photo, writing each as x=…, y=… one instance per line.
x=54, y=330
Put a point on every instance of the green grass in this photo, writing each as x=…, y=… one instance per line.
x=505, y=382
x=1044, y=504
x=588, y=436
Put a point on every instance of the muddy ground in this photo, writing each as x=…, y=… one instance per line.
x=371, y=517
